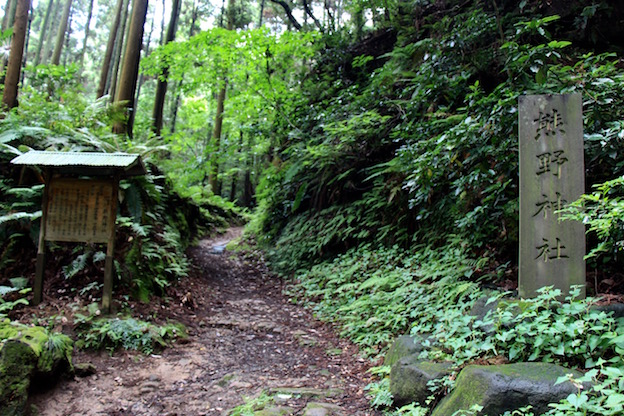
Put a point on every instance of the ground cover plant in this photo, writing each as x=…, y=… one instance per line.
x=124, y=332
x=375, y=294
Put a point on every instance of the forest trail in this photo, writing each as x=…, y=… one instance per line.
x=245, y=338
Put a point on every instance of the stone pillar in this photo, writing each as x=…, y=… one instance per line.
x=552, y=174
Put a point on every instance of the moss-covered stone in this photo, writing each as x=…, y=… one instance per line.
x=27, y=354
x=17, y=365
x=409, y=379
x=502, y=388
x=403, y=346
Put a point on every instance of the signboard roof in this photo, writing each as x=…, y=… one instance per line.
x=86, y=163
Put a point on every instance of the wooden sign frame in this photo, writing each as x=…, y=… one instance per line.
x=78, y=210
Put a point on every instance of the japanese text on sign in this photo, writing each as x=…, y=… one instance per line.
x=79, y=210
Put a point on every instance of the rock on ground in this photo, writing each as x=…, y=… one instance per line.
x=507, y=387
x=409, y=379
x=28, y=355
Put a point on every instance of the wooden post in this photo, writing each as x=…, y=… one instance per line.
x=110, y=250
x=39, y=270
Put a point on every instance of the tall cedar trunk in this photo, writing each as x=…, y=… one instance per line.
x=111, y=86
x=66, y=54
x=50, y=34
x=7, y=22
x=9, y=14
x=25, y=54
x=110, y=46
x=86, y=37
x=247, y=197
x=162, y=25
x=130, y=68
x=235, y=176
x=176, y=101
x=213, y=175
x=161, y=87
x=14, y=67
x=43, y=31
x=60, y=35
x=142, y=76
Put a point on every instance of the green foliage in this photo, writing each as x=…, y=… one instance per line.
x=7, y=305
x=604, y=398
x=380, y=392
x=603, y=212
x=124, y=332
x=262, y=71
x=547, y=329
x=251, y=405
x=425, y=131
x=376, y=293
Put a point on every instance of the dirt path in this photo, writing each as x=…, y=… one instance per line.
x=245, y=339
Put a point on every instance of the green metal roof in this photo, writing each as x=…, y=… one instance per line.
x=85, y=163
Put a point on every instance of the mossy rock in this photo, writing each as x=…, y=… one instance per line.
x=409, y=379
x=404, y=346
x=28, y=355
x=502, y=388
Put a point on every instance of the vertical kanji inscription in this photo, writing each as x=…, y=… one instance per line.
x=551, y=174
x=79, y=210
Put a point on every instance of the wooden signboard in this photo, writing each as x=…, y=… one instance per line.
x=552, y=174
x=80, y=203
x=79, y=210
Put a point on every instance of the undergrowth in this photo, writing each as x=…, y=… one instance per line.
x=376, y=293
x=112, y=333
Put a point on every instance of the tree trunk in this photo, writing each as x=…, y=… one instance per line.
x=161, y=87
x=120, y=47
x=141, y=77
x=60, y=35
x=213, y=175
x=9, y=14
x=43, y=31
x=66, y=54
x=176, y=102
x=86, y=37
x=247, y=197
x=236, y=174
x=7, y=22
x=130, y=68
x=25, y=54
x=308, y=12
x=50, y=35
x=110, y=46
x=14, y=67
x=161, y=42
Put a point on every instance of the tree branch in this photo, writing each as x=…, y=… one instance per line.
x=308, y=11
x=288, y=11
